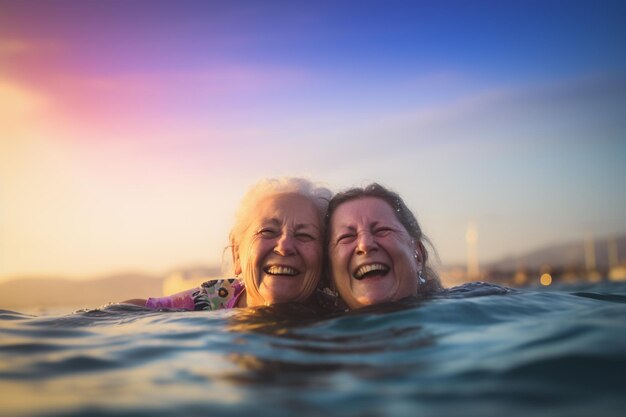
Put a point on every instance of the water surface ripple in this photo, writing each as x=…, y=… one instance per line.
x=475, y=350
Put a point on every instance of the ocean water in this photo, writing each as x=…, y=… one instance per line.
x=474, y=351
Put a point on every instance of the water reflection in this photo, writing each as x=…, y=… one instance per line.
x=297, y=345
x=275, y=320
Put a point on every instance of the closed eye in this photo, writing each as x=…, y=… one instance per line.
x=268, y=233
x=345, y=238
x=304, y=237
x=382, y=231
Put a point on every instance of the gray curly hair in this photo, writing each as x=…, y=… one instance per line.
x=318, y=194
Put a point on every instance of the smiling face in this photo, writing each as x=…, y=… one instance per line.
x=280, y=253
x=372, y=257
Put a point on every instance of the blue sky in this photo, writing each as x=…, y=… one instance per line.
x=130, y=130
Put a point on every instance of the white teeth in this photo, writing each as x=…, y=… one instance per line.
x=369, y=268
x=281, y=270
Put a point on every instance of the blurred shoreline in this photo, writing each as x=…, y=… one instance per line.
x=585, y=261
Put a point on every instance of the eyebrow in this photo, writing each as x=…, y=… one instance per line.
x=344, y=227
x=351, y=227
x=274, y=221
x=301, y=226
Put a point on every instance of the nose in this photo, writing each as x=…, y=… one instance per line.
x=365, y=243
x=284, y=245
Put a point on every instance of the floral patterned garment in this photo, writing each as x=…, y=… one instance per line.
x=212, y=295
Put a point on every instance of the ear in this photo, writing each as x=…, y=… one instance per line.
x=420, y=253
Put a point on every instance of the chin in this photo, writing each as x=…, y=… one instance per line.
x=376, y=292
x=276, y=298
x=373, y=297
x=373, y=300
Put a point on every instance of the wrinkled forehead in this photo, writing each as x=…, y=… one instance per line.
x=289, y=209
x=363, y=211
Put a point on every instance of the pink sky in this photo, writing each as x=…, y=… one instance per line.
x=129, y=134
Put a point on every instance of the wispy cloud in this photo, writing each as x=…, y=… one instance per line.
x=436, y=79
x=222, y=79
x=22, y=47
x=159, y=107
x=20, y=108
x=456, y=120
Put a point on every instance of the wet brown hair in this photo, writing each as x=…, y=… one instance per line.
x=404, y=215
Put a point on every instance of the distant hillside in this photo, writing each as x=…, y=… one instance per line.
x=42, y=292
x=52, y=292
x=562, y=255
x=57, y=292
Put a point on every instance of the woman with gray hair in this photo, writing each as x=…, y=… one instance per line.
x=376, y=248
x=276, y=246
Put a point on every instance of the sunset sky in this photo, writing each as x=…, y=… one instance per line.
x=129, y=130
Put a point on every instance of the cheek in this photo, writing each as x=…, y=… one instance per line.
x=312, y=254
x=261, y=248
x=249, y=258
x=407, y=263
x=334, y=256
x=401, y=248
x=339, y=261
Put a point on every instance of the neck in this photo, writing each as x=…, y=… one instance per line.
x=243, y=299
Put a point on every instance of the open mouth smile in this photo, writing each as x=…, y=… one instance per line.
x=370, y=270
x=280, y=270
